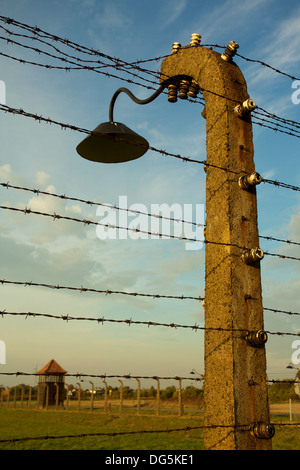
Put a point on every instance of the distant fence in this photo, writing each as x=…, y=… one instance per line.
x=27, y=397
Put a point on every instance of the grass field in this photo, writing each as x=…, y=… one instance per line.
x=18, y=423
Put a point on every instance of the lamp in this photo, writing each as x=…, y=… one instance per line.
x=113, y=142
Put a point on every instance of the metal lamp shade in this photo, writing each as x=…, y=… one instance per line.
x=112, y=142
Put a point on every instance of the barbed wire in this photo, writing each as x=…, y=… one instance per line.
x=136, y=230
x=130, y=322
x=262, y=122
x=135, y=294
x=115, y=207
x=80, y=375
x=264, y=64
x=118, y=64
x=275, y=310
x=80, y=59
x=101, y=291
x=38, y=33
x=160, y=151
x=102, y=204
x=126, y=433
x=241, y=427
x=259, y=120
x=121, y=64
x=281, y=184
x=278, y=123
x=68, y=69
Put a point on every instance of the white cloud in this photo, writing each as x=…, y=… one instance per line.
x=7, y=175
x=42, y=178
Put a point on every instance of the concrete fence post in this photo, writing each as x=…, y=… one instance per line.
x=29, y=398
x=138, y=397
x=180, y=406
x=105, y=397
x=235, y=386
x=121, y=396
x=22, y=397
x=79, y=396
x=92, y=396
x=15, y=397
x=7, y=398
x=158, y=398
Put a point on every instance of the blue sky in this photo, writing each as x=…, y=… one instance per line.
x=39, y=155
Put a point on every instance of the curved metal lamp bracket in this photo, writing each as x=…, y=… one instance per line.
x=164, y=84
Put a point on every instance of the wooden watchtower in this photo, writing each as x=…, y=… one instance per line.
x=51, y=385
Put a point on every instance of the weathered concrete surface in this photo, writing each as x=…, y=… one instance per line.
x=235, y=385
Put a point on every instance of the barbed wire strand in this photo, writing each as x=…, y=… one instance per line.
x=154, y=296
x=80, y=375
x=115, y=207
x=160, y=151
x=117, y=61
x=55, y=216
x=287, y=312
x=241, y=427
x=109, y=376
x=130, y=322
x=101, y=291
x=102, y=204
x=126, y=433
x=39, y=32
x=261, y=121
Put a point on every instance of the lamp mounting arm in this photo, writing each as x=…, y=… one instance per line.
x=163, y=85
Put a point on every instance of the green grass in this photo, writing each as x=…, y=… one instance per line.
x=33, y=423
x=18, y=423
x=286, y=437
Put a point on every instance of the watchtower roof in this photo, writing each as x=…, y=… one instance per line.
x=52, y=368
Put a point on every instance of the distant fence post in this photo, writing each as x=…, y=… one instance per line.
x=121, y=396
x=79, y=395
x=22, y=397
x=7, y=399
x=180, y=407
x=105, y=396
x=138, y=405
x=158, y=398
x=92, y=396
x=15, y=397
x=29, y=399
